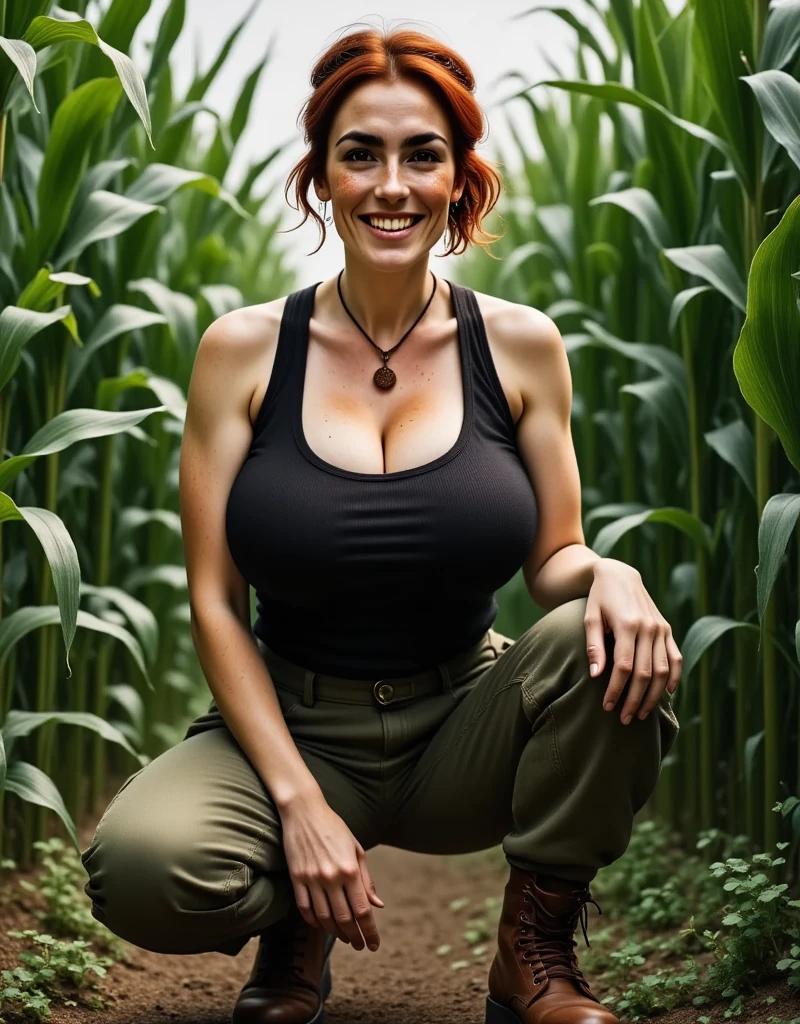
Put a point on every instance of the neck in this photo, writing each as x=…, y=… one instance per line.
x=385, y=303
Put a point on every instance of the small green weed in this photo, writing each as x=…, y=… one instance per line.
x=28, y=990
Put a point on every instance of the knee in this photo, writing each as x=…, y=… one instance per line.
x=562, y=631
x=159, y=884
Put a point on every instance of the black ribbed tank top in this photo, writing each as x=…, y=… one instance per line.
x=374, y=575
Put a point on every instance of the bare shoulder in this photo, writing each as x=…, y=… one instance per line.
x=527, y=349
x=237, y=352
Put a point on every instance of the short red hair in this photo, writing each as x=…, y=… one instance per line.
x=389, y=56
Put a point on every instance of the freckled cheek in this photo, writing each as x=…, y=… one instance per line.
x=347, y=187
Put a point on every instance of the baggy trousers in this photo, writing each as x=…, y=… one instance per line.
x=515, y=748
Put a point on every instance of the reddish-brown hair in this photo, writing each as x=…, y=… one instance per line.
x=389, y=56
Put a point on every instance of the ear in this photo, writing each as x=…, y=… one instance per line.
x=322, y=191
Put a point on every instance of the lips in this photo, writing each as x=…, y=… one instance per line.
x=417, y=217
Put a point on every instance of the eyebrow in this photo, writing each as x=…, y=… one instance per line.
x=375, y=140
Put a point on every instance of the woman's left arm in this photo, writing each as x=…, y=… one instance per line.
x=560, y=566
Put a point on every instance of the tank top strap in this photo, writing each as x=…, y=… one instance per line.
x=490, y=398
x=286, y=366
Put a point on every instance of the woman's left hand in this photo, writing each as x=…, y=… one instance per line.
x=644, y=648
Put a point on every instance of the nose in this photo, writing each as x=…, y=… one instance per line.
x=391, y=186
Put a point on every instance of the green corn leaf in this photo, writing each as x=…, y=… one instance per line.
x=3, y=764
x=161, y=181
x=45, y=31
x=62, y=557
x=31, y=784
x=48, y=287
x=766, y=359
x=76, y=123
x=660, y=397
x=782, y=37
x=778, y=95
x=117, y=28
x=139, y=616
x=23, y=56
x=778, y=521
x=702, y=634
x=104, y=215
x=17, y=327
x=520, y=256
x=642, y=205
x=619, y=93
x=682, y=300
x=117, y=319
x=586, y=37
x=23, y=723
x=682, y=520
x=713, y=264
x=797, y=640
x=179, y=310
x=23, y=621
x=67, y=428
x=657, y=357
x=723, y=35
x=735, y=445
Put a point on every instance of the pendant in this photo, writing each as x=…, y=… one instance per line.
x=384, y=378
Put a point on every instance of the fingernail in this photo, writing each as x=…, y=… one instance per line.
x=373, y=947
x=626, y=719
x=609, y=704
x=593, y=669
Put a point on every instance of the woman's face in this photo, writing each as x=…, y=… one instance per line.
x=390, y=156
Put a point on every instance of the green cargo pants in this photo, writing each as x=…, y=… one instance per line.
x=512, y=747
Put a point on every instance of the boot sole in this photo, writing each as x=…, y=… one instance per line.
x=497, y=1014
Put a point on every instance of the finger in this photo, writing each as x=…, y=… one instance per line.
x=595, y=639
x=369, y=885
x=675, y=662
x=642, y=673
x=302, y=898
x=624, y=647
x=343, y=914
x=322, y=908
x=363, y=911
x=660, y=675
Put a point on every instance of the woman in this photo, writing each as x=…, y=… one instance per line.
x=376, y=492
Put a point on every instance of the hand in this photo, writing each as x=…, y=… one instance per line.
x=644, y=648
x=328, y=868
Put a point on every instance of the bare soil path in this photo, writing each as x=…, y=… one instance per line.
x=405, y=982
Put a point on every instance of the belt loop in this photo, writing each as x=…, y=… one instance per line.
x=308, y=688
x=447, y=684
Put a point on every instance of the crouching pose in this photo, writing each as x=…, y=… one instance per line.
x=376, y=454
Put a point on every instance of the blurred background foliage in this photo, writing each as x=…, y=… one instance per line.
x=659, y=228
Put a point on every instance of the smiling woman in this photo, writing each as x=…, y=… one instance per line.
x=376, y=513
x=403, y=57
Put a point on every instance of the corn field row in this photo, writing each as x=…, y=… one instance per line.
x=659, y=228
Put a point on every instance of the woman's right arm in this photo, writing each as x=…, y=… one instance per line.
x=216, y=438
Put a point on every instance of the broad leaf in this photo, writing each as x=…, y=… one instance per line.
x=713, y=264
x=702, y=634
x=734, y=443
x=778, y=521
x=778, y=95
x=31, y=784
x=766, y=359
x=682, y=520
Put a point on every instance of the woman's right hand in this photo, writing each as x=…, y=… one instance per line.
x=328, y=867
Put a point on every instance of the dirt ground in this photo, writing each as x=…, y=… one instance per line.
x=405, y=982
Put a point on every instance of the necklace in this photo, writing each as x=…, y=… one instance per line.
x=384, y=377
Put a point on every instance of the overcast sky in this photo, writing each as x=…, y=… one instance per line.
x=484, y=33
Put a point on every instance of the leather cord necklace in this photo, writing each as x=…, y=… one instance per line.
x=384, y=377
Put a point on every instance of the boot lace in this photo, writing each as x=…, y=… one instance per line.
x=551, y=952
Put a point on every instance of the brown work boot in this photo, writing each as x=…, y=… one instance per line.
x=291, y=976
x=535, y=976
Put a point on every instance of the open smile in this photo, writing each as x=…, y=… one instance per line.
x=392, y=227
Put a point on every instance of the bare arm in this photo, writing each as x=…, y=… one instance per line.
x=327, y=864
x=216, y=438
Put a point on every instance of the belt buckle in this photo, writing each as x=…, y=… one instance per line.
x=384, y=692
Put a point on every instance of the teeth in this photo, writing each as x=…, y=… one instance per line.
x=391, y=225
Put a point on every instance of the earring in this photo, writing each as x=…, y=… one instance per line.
x=454, y=207
x=323, y=212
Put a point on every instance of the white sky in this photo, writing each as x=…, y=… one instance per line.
x=482, y=32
